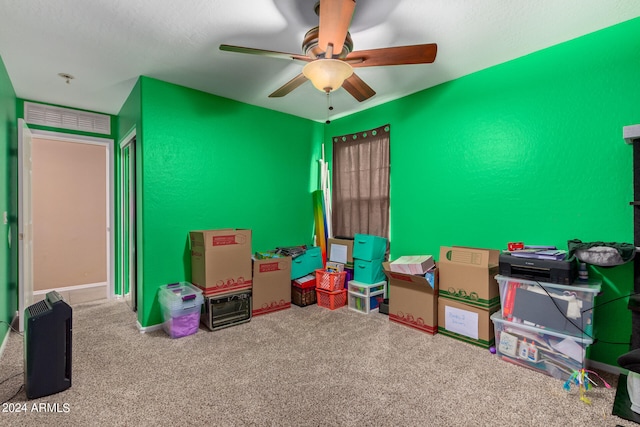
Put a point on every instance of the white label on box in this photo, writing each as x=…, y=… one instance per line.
x=338, y=253
x=461, y=322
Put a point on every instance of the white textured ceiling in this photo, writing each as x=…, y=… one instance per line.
x=107, y=44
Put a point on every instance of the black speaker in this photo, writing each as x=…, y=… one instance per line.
x=47, y=346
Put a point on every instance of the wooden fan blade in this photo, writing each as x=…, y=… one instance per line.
x=289, y=86
x=262, y=52
x=358, y=88
x=335, y=17
x=400, y=55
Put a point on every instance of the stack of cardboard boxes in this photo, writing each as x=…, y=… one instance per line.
x=468, y=293
x=221, y=268
x=456, y=298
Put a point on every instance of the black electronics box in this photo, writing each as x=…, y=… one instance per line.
x=222, y=311
x=47, y=346
x=540, y=270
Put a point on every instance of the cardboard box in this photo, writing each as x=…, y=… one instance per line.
x=466, y=322
x=271, y=285
x=221, y=260
x=468, y=275
x=340, y=250
x=413, y=300
x=413, y=264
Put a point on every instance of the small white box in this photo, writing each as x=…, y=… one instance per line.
x=416, y=264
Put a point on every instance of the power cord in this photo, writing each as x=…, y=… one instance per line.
x=17, y=392
x=12, y=328
x=15, y=375
x=580, y=327
x=19, y=389
x=12, y=376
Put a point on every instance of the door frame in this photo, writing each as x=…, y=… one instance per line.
x=25, y=220
x=110, y=214
x=128, y=248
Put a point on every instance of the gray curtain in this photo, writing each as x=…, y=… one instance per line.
x=361, y=167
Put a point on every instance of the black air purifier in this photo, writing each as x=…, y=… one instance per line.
x=47, y=346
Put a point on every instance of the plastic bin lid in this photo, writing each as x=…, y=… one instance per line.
x=177, y=295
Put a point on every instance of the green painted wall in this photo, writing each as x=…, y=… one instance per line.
x=210, y=162
x=530, y=150
x=8, y=202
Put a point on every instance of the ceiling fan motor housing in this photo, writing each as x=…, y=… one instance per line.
x=311, y=49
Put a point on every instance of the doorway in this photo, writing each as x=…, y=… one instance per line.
x=127, y=224
x=71, y=204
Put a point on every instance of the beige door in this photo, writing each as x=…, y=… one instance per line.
x=70, y=218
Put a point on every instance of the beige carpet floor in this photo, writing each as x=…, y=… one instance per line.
x=298, y=367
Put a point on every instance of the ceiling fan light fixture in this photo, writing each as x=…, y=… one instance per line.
x=327, y=75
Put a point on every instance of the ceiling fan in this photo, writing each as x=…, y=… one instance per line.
x=329, y=56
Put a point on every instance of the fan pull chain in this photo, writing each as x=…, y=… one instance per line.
x=329, y=107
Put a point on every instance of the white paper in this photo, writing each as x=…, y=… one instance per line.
x=508, y=344
x=570, y=348
x=462, y=322
x=338, y=253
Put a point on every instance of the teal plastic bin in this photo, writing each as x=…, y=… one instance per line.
x=368, y=271
x=306, y=263
x=368, y=247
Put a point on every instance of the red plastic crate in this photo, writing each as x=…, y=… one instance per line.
x=331, y=300
x=330, y=281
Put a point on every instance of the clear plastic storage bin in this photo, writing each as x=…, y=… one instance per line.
x=566, y=309
x=181, y=306
x=549, y=352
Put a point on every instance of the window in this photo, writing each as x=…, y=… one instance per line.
x=361, y=165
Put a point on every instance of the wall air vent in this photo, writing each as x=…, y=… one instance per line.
x=66, y=118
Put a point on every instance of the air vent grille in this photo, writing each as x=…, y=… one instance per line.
x=38, y=308
x=66, y=118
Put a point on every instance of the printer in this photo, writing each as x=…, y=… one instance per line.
x=563, y=272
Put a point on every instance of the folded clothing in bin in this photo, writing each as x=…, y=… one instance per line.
x=181, y=305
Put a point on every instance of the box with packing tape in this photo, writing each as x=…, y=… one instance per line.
x=467, y=275
x=413, y=299
x=221, y=260
x=271, y=285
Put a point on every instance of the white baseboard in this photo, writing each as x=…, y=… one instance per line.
x=71, y=288
x=151, y=328
x=605, y=367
